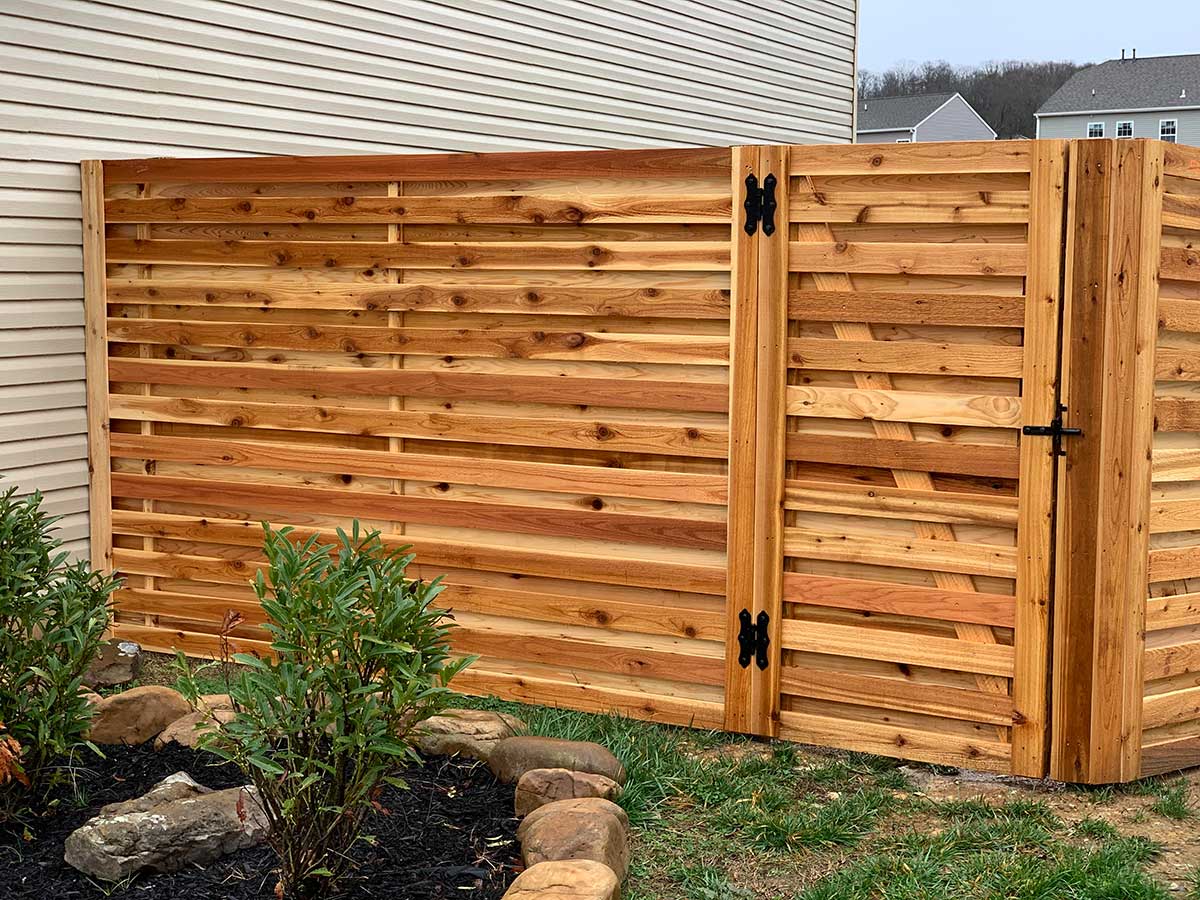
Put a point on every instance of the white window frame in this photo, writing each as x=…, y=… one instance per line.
x=1091, y=125
x=903, y=140
x=1121, y=122
x=1174, y=136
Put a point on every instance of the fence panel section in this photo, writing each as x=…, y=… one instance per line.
x=516, y=363
x=1171, y=709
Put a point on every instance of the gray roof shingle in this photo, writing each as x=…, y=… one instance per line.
x=891, y=113
x=1150, y=82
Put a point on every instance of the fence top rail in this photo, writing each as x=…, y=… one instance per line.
x=977, y=157
x=674, y=162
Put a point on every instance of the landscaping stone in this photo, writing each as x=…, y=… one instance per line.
x=119, y=662
x=136, y=715
x=467, y=732
x=513, y=757
x=568, y=879
x=176, y=823
x=91, y=696
x=583, y=804
x=576, y=834
x=187, y=730
x=537, y=787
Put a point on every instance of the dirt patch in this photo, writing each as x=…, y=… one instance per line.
x=1129, y=809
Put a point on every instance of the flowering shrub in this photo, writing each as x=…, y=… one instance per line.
x=360, y=658
x=53, y=615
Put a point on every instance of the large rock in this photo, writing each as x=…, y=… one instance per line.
x=466, y=732
x=513, y=757
x=187, y=731
x=569, y=879
x=136, y=715
x=537, y=787
x=177, y=823
x=119, y=662
x=563, y=834
x=584, y=804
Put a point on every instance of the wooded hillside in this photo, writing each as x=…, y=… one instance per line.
x=1006, y=94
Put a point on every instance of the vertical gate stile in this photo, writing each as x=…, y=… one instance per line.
x=1039, y=458
x=741, y=541
x=771, y=425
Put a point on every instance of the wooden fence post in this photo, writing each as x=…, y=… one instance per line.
x=756, y=427
x=91, y=173
x=1114, y=223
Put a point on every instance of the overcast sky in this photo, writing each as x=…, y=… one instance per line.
x=969, y=31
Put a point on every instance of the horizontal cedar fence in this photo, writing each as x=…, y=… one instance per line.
x=788, y=468
x=1170, y=688
x=519, y=365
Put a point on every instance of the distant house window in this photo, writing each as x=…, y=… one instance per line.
x=1095, y=129
x=1168, y=130
x=1125, y=129
x=903, y=140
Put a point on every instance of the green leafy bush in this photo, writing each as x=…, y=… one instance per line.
x=360, y=659
x=53, y=616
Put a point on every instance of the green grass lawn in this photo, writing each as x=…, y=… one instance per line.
x=719, y=817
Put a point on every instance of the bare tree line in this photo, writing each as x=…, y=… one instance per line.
x=1006, y=94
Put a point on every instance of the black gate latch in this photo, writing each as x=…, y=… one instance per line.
x=753, y=639
x=1054, y=430
x=760, y=205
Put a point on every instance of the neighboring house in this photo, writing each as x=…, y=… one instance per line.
x=1151, y=97
x=137, y=78
x=920, y=118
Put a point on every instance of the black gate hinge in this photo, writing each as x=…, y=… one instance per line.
x=753, y=639
x=1054, y=430
x=760, y=205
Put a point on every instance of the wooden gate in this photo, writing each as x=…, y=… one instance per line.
x=907, y=329
x=761, y=439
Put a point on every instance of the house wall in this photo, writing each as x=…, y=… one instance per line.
x=1145, y=125
x=884, y=137
x=954, y=121
x=139, y=78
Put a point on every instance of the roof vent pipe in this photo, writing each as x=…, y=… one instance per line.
x=1135, y=52
x=1122, y=54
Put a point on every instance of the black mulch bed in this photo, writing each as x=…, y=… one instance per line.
x=453, y=834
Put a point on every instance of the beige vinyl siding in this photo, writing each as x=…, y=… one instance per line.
x=86, y=79
x=1145, y=124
